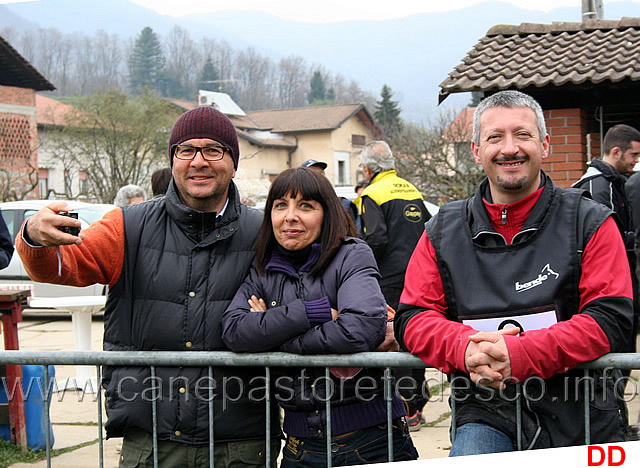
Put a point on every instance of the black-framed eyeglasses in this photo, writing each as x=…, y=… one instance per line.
x=209, y=152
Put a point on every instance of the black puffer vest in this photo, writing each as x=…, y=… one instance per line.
x=181, y=270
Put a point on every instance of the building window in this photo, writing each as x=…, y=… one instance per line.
x=43, y=183
x=82, y=183
x=341, y=165
x=358, y=140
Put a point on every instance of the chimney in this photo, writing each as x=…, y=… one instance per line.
x=592, y=10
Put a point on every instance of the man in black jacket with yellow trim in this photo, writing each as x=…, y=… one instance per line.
x=392, y=214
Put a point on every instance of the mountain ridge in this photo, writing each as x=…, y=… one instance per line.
x=412, y=55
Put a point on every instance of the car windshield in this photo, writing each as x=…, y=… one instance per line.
x=92, y=213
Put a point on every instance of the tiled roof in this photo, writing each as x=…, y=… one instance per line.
x=539, y=55
x=461, y=129
x=305, y=119
x=16, y=71
x=183, y=104
x=51, y=112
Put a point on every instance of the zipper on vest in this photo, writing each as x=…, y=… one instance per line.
x=504, y=216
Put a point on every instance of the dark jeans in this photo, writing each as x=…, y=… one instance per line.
x=137, y=451
x=354, y=448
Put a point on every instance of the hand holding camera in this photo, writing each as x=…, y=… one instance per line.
x=73, y=230
x=48, y=228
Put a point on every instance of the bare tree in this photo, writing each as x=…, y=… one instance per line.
x=85, y=64
x=223, y=57
x=255, y=73
x=293, y=82
x=438, y=159
x=109, y=61
x=115, y=140
x=79, y=65
x=184, y=62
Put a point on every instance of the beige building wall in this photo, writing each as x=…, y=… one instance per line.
x=332, y=147
x=261, y=163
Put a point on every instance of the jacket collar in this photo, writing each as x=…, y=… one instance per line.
x=381, y=175
x=479, y=220
x=280, y=264
x=599, y=167
x=199, y=224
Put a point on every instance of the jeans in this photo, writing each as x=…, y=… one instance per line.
x=474, y=439
x=137, y=451
x=354, y=448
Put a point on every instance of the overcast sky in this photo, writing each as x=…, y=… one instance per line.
x=327, y=11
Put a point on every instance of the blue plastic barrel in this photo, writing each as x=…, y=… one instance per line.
x=34, y=389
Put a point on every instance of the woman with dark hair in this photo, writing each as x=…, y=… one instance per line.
x=314, y=290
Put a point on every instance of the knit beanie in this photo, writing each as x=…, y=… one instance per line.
x=205, y=122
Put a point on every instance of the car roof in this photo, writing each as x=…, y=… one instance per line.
x=31, y=204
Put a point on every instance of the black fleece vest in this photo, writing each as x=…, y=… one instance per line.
x=541, y=270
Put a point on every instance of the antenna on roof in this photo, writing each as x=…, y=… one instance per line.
x=592, y=10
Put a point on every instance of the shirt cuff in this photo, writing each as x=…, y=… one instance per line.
x=318, y=311
x=26, y=239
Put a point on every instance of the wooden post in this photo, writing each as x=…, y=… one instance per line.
x=11, y=309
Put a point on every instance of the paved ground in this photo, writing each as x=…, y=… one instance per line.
x=74, y=414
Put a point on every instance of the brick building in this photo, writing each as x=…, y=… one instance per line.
x=19, y=82
x=586, y=76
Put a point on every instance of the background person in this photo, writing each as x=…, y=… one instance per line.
x=160, y=181
x=172, y=264
x=392, y=214
x=314, y=290
x=129, y=195
x=351, y=208
x=605, y=179
x=520, y=250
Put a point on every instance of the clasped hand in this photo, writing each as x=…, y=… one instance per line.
x=487, y=358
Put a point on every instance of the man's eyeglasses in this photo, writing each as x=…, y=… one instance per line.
x=210, y=152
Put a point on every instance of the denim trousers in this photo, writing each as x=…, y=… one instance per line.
x=354, y=448
x=475, y=439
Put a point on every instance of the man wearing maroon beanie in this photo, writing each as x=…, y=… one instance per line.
x=172, y=264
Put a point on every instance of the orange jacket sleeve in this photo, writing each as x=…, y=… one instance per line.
x=98, y=259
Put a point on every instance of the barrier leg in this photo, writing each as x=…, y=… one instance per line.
x=11, y=316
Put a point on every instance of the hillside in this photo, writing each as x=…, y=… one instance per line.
x=412, y=55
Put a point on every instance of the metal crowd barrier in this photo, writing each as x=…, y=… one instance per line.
x=266, y=360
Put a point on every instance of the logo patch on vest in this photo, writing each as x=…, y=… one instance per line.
x=412, y=213
x=545, y=274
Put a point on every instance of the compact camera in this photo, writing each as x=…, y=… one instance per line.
x=74, y=231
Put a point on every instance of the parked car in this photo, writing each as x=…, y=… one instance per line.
x=14, y=276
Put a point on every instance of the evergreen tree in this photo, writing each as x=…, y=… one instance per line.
x=317, y=88
x=476, y=97
x=209, y=77
x=146, y=62
x=387, y=114
x=331, y=95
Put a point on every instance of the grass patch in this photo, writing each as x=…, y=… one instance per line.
x=438, y=389
x=442, y=417
x=10, y=454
